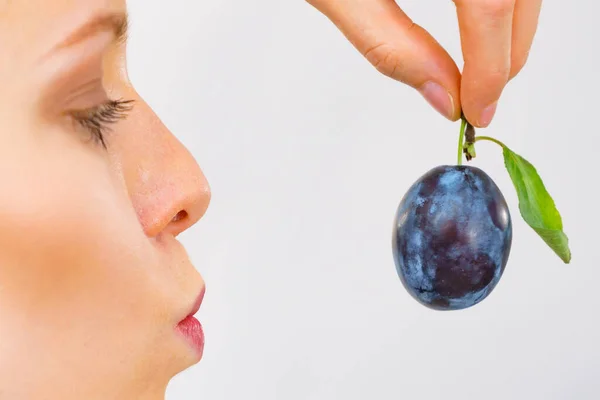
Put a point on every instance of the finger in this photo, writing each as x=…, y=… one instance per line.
x=398, y=48
x=486, y=35
x=525, y=22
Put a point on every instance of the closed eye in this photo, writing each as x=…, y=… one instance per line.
x=98, y=120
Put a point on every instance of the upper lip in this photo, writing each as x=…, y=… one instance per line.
x=196, y=306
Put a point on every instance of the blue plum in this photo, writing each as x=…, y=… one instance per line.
x=452, y=237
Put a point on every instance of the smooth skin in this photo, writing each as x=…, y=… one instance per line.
x=496, y=37
x=93, y=281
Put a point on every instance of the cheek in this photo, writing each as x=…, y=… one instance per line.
x=70, y=242
x=77, y=272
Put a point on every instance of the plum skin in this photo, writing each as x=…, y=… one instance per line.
x=452, y=237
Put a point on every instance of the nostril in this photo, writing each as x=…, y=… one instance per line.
x=181, y=215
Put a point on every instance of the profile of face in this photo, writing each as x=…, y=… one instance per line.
x=94, y=190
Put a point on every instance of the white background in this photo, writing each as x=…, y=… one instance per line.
x=309, y=150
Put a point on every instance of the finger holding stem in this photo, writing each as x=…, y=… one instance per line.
x=398, y=48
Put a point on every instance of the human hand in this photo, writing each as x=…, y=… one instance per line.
x=496, y=36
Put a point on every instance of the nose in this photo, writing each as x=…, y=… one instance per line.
x=167, y=187
x=187, y=200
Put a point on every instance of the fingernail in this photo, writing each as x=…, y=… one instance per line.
x=439, y=98
x=487, y=114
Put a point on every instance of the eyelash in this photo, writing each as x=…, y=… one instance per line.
x=97, y=120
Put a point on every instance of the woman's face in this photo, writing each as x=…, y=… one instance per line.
x=93, y=283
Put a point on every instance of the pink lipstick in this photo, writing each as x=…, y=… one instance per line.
x=191, y=328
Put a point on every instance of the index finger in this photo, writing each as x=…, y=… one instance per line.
x=398, y=48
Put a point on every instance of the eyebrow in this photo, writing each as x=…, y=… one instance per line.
x=115, y=22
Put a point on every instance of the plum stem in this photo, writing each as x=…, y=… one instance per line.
x=490, y=139
x=461, y=139
x=469, y=134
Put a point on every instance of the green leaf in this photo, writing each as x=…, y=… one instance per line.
x=536, y=205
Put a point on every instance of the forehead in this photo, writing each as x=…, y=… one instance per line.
x=33, y=25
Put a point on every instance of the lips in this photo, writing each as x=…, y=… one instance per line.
x=191, y=329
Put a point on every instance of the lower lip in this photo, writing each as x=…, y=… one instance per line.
x=191, y=329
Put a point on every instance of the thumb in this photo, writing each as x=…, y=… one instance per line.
x=398, y=48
